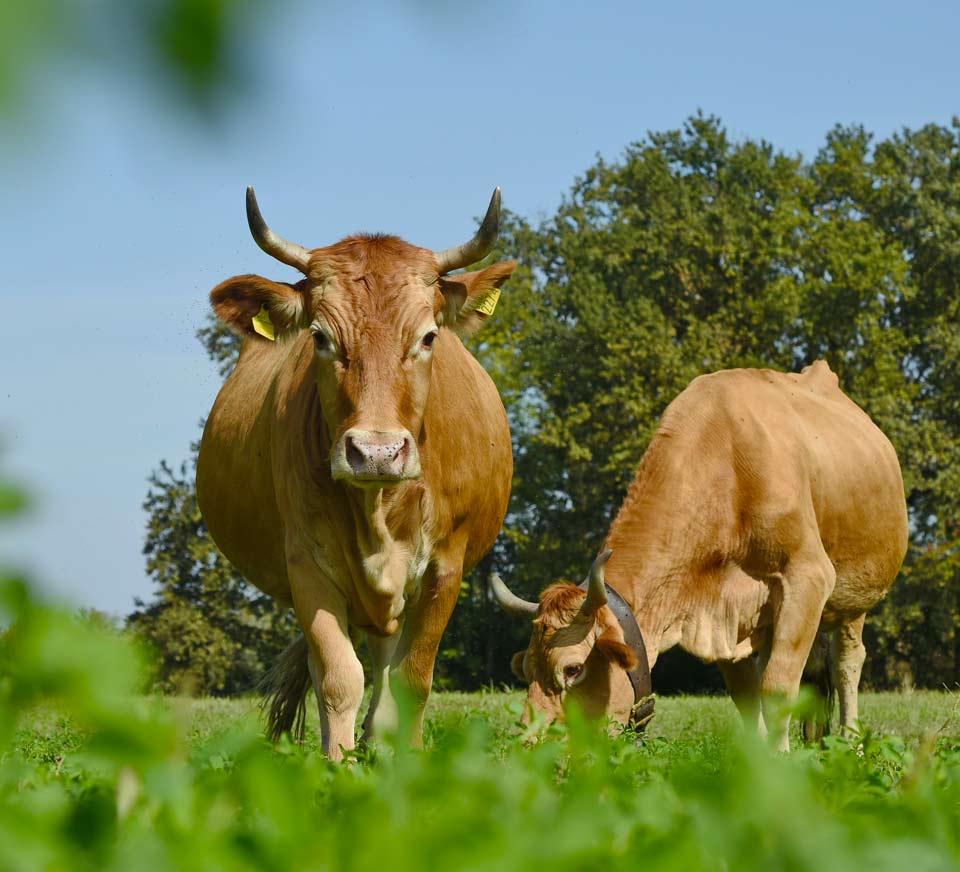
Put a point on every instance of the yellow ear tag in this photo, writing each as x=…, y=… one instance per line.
x=263, y=325
x=488, y=303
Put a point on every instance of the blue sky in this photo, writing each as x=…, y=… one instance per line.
x=121, y=211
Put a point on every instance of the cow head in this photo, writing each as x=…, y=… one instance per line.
x=378, y=309
x=577, y=649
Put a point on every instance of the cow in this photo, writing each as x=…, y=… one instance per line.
x=357, y=461
x=767, y=508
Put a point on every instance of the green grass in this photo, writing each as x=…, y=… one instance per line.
x=45, y=735
x=911, y=716
x=94, y=776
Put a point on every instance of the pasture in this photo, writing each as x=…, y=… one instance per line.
x=97, y=779
x=913, y=718
x=95, y=775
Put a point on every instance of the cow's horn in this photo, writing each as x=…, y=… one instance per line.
x=276, y=246
x=509, y=601
x=596, y=586
x=480, y=246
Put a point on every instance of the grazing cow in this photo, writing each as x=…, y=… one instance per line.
x=767, y=507
x=358, y=460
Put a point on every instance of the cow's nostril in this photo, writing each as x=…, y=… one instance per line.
x=354, y=455
x=393, y=451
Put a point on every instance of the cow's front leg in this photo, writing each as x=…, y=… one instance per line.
x=334, y=667
x=743, y=684
x=382, y=714
x=804, y=588
x=422, y=630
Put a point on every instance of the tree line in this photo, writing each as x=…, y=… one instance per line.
x=692, y=252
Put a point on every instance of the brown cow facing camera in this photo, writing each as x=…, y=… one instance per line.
x=358, y=460
x=767, y=509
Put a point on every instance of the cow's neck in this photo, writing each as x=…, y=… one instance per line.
x=653, y=545
x=653, y=586
x=389, y=529
x=385, y=556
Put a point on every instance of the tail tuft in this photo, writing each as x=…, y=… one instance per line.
x=285, y=689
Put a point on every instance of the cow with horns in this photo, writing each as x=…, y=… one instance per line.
x=358, y=460
x=768, y=508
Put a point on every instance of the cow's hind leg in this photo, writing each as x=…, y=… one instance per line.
x=818, y=676
x=847, y=666
x=805, y=585
x=334, y=666
x=382, y=714
x=420, y=639
x=743, y=684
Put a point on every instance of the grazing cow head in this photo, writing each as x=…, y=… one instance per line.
x=377, y=309
x=577, y=649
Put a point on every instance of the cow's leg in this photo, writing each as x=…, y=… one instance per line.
x=743, y=684
x=818, y=677
x=382, y=714
x=805, y=586
x=850, y=654
x=334, y=665
x=422, y=630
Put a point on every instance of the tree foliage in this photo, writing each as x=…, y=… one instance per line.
x=694, y=253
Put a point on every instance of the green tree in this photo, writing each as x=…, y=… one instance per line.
x=914, y=198
x=695, y=253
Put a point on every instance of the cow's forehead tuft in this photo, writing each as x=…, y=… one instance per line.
x=559, y=605
x=376, y=256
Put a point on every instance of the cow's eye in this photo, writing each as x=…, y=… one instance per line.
x=321, y=341
x=428, y=340
x=573, y=670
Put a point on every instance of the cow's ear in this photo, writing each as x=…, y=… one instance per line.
x=516, y=664
x=254, y=306
x=470, y=298
x=617, y=652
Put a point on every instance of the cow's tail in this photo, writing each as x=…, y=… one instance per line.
x=285, y=689
x=818, y=675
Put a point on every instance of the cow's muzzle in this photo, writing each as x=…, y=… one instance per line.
x=376, y=456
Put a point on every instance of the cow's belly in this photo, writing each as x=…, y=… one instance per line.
x=867, y=557
x=257, y=556
x=729, y=620
x=860, y=586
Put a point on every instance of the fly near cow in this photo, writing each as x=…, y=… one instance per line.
x=768, y=508
x=358, y=460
